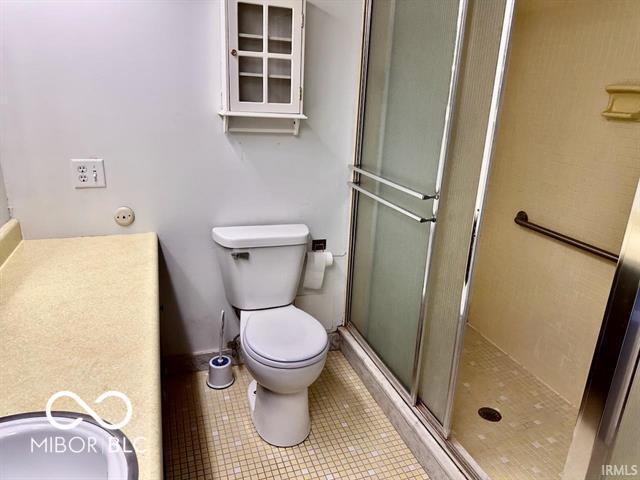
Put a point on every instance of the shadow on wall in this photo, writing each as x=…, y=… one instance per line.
x=179, y=354
x=172, y=324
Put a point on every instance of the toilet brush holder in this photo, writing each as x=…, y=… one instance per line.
x=220, y=373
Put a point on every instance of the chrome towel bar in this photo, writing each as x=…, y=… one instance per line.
x=381, y=200
x=397, y=186
x=522, y=219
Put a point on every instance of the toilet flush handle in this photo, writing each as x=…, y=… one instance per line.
x=237, y=255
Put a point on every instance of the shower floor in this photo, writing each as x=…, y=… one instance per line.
x=532, y=439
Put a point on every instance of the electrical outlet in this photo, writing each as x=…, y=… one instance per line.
x=87, y=173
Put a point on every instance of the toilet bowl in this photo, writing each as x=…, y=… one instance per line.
x=283, y=348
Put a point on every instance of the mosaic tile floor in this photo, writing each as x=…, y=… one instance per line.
x=532, y=439
x=208, y=433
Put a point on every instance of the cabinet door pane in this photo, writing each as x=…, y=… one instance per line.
x=265, y=55
x=250, y=34
x=279, y=80
x=250, y=79
x=280, y=29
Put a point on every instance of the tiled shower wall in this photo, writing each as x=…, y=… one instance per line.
x=571, y=170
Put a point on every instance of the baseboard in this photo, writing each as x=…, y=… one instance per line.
x=194, y=362
x=435, y=461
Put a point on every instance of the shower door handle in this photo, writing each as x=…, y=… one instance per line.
x=393, y=206
x=397, y=186
x=472, y=249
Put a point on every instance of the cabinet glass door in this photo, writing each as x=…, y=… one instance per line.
x=265, y=55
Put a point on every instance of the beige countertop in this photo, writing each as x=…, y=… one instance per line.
x=81, y=314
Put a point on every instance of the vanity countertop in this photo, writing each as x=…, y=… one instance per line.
x=81, y=314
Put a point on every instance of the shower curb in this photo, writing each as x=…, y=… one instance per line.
x=435, y=461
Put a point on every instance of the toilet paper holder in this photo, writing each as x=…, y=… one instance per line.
x=319, y=244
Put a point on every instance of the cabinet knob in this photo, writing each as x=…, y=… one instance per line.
x=234, y=52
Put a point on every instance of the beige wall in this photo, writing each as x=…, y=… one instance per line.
x=557, y=158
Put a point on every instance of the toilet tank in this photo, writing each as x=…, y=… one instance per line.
x=261, y=265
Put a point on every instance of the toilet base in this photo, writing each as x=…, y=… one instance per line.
x=280, y=419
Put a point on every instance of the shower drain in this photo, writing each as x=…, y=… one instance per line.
x=490, y=414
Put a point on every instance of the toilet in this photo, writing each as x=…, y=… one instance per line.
x=283, y=348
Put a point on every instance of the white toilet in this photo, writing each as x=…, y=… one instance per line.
x=283, y=347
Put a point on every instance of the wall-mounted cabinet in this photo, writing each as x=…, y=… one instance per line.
x=263, y=64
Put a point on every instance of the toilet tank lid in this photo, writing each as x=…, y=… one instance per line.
x=261, y=235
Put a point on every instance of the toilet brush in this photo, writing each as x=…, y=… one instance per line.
x=220, y=373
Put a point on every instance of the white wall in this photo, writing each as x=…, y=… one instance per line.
x=4, y=202
x=137, y=83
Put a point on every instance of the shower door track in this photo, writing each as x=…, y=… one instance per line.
x=421, y=412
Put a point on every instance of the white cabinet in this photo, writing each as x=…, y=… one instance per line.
x=263, y=60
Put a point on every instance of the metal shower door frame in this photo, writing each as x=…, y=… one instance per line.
x=411, y=396
x=481, y=194
x=439, y=431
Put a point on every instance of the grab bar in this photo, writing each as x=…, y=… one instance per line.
x=522, y=219
x=381, y=200
x=397, y=186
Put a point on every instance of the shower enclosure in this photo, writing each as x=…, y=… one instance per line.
x=402, y=148
x=408, y=288
x=411, y=62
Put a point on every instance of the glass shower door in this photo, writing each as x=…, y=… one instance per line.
x=405, y=110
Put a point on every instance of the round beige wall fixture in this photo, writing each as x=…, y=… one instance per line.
x=124, y=216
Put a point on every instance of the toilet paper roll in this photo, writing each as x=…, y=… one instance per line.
x=317, y=262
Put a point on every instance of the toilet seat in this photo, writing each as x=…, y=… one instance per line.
x=284, y=337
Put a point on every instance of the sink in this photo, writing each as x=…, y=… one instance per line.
x=32, y=448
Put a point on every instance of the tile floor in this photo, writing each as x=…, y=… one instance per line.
x=532, y=439
x=208, y=433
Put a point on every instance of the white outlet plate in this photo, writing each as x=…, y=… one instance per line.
x=87, y=173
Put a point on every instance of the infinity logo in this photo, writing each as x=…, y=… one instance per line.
x=89, y=410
